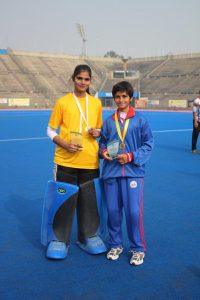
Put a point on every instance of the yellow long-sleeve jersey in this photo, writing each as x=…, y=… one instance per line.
x=66, y=116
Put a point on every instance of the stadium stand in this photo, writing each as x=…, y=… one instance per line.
x=41, y=78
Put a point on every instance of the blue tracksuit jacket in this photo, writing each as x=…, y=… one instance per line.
x=138, y=140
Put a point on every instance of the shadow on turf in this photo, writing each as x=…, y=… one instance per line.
x=29, y=216
x=195, y=271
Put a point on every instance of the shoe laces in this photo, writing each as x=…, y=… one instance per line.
x=115, y=251
x=137, y=254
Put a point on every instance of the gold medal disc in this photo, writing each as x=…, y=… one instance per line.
x=122, y=146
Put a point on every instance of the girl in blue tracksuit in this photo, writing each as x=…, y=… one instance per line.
x=123, y=175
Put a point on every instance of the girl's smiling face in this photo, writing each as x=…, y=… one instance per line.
x=122, y=100
x=82, y=83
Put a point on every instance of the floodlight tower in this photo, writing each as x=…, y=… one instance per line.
x=125, y=60
x=81, y=32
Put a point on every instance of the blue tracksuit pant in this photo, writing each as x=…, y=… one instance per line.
x=127, y=193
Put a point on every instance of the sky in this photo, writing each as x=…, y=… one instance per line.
x=130, y=28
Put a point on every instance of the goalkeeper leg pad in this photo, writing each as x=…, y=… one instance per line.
x=91, y=217
x=58, y=211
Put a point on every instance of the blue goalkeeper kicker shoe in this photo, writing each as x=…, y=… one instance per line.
x=56, y=250
x=93, y=245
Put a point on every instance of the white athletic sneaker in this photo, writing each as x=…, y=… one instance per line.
x=114, y=253
x=137, y=258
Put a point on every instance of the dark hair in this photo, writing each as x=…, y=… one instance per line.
x=123, y=86
x=82, y=68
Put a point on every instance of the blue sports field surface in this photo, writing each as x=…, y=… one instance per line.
x=171, y=219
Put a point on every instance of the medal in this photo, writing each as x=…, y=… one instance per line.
x=122, y=145
x=123, y=133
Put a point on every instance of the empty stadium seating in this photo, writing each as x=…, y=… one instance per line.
x=43, y=77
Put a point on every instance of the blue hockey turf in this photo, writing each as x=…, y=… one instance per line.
x=171, y=219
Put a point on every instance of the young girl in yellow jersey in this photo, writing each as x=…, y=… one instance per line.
x=78, y=115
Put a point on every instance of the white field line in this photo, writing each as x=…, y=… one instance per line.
x=171, y=130
x=44, y=138
x=24, y=139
